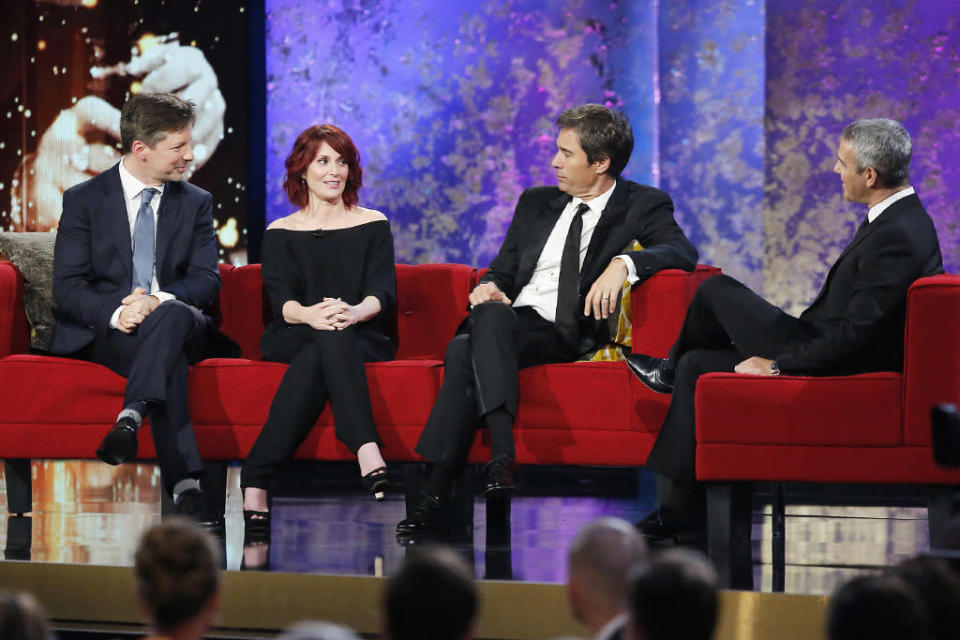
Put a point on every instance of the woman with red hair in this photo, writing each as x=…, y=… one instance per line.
x=329, y=273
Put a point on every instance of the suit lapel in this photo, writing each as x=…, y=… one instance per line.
x=612, y=216
x=117, y=221
x=542, y=225
x=168, y=221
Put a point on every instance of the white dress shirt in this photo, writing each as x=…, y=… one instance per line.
x=541, y=292
x=133, y=196
x=882, y=206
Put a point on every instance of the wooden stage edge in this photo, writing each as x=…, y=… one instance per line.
x=258, y=603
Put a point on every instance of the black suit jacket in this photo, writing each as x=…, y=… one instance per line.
x=93, y=258
x=634, y=212
x=857, y=319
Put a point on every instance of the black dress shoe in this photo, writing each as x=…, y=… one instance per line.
x=501, y=476
x=190, y=505
x=425, y=517
x=656, y=373
x=663, y=525
x=120, y=444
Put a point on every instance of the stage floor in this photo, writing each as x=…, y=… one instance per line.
x=86, y=512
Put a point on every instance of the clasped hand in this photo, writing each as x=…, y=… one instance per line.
x=332, y=314
x=136, y=307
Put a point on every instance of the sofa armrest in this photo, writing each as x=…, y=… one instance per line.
x=931, y=352
x=659, y=305
x=14, y=333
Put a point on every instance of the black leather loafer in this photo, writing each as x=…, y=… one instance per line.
x=655, y=373
x=501, y=476
x=425, y=517
x=120, y=443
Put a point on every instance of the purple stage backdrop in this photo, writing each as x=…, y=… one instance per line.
x=737, y=107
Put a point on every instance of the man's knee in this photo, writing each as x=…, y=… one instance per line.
x=715, y=287
x=494, y=316
x=177, y=312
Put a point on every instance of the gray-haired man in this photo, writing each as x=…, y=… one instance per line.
x=854, y=325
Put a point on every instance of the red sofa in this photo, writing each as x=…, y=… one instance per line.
x=579, y=413
x=869, y=428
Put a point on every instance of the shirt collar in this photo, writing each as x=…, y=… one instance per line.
x=598, y=204
x=884, y=204
x=132, y=187
x=612, y=625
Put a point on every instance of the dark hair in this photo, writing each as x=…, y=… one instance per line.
x=177, y=571
x=305, y=150
x=675, y=596
x=938, y=590
x=21, y=617
x=433, y=596
x=883, y=144
x=603, y=133
x=875, y=607
x=148, y=117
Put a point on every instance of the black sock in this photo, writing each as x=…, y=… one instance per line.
x=500, y=425
x=439, y=482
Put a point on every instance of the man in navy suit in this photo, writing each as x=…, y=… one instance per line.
x=135, y=266
x=855, y=324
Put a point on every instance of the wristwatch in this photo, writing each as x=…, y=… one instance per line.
x=774, y=368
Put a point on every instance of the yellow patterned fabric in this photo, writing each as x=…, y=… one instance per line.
x=620, y=324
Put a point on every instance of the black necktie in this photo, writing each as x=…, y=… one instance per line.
x=568, y=289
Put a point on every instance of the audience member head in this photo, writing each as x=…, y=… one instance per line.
x=876, y=607
x=21, y=617
x=149, y=117
x=602, y=132
x=178, y=578
x=317, y=631
x=599, y=563
x=884, y=145
x=674, y=597
x=305, y=150
x=432, y=596
x=938, y=590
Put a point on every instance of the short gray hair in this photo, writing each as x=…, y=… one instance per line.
x=883, y=144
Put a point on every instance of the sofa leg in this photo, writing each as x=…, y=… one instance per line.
x=19, y=485
x=779, y=538
x=728, y=533
x=942, y=505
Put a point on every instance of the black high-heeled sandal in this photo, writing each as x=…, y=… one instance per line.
x=376, y=483
x=256, y=524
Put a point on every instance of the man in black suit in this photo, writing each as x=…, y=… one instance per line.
x=135, y=263
x=547, y=295
x=855, y=324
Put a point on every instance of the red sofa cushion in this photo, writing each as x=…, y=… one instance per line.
x=431, y=304
x=659, y=306
x=788, y=410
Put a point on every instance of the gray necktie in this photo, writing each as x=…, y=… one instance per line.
x=143, y=232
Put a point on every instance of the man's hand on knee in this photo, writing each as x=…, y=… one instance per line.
x=755, y=366
x=487, y=292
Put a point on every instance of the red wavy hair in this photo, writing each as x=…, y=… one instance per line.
x=305, y=150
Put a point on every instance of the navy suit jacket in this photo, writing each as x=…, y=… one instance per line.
x=634, y=212
x=857, y=320
x=93, y=258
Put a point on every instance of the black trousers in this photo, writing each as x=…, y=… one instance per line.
x=725, y=324
x=156, y=360
x=480, y=374
x=323, y=364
